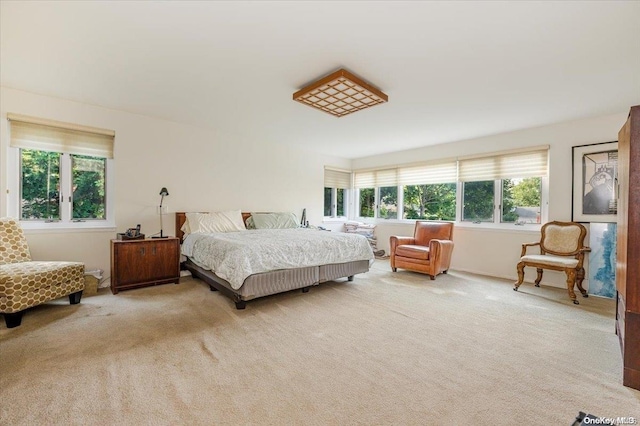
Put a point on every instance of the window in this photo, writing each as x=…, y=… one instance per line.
x=377, y=194
x=521, y=200
x=478, y=201
x=336, y=187
x=63, y=173
x=367, y=204
x=40, y=185
x=504, y=188
x=433, y=202
x=388, y=205
x=507, y=188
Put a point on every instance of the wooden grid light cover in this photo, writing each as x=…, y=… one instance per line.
x=340, y=93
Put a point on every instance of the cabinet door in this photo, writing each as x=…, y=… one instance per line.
x=132, y=260
x=164, y=259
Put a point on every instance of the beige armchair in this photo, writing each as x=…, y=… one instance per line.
x=428, y=251
x=561, y=249
x=25, y=283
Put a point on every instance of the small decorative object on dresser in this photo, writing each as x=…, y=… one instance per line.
x=142, y=263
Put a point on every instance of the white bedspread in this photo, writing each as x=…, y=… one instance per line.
x=234, y=256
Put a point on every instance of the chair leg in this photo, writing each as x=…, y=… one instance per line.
x=539, y=276
x=13, y=320
x=74, y=298
x=520, y=269
x=571, y=282
x=579, y=279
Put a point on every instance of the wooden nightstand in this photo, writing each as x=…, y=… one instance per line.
x=142, y=263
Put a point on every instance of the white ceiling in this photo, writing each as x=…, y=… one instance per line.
x=452, y=70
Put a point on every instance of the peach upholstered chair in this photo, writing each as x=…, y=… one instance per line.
x=561, y=249
x=428, y=251
x=25, y=283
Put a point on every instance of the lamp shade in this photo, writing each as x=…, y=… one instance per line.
x=164, y=191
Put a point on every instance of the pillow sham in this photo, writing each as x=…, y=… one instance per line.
x=225, y=221
x=274, y=220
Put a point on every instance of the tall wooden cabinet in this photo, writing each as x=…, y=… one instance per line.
x=141, y=263
x=628, y=262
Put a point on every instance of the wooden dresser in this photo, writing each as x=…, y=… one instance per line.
x=141, y=263
x=628, y=262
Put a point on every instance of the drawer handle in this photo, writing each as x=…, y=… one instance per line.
x=142, y=251
x=153, y=251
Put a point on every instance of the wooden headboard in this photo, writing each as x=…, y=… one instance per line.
x=181, y=218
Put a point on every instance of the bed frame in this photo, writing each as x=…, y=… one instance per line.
x=268, y=283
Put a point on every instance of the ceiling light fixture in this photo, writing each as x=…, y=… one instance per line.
x=340, y=93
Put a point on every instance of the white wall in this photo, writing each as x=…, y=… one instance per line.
x=202, y=169
x=207, y=170
x=495, y=252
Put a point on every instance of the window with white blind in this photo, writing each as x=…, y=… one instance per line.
x=62, y=173
x=425, y=191
x=504, y=187
x=337, y=184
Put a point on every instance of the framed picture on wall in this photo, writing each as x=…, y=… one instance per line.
x=595, y=182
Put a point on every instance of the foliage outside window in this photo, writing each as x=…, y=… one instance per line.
x=478, y=201
x=89, y=187
x=341, y=200
x=388, y=207
x=521, y=200
x=432, y=202
x=40, y=188
x=42, y=173
x=367, y=202
x=327, y=201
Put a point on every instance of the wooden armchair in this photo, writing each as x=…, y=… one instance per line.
x=561, y=249
x=428, y=251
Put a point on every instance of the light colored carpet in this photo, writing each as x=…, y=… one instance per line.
x=385, y=349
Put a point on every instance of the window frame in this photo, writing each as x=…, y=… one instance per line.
x=497, y=206
x=66, y=221
x=334, y=205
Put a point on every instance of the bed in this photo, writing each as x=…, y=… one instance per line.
x=206, y=252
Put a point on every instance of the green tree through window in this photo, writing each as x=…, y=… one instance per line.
x=40, y=188
x=433, y=202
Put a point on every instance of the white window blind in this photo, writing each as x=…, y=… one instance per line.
x=376, y=178
x=428, y=174
x=504, y=166
x=337, y=179
x=49, y=135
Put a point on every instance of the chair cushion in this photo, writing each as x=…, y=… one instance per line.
x=412, y=251
x=546, y=259
x=24, y=277
x=561, y=239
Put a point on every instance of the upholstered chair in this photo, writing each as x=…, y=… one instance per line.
x=428, y=251
x=25, y=283
x=561, y=249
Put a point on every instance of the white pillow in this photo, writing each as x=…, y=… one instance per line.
x=226, y=221
x=274, y=220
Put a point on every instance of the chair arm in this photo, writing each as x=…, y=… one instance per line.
x=525, y=245
x=580, y=255
x=440, y=252
x=395, y=241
